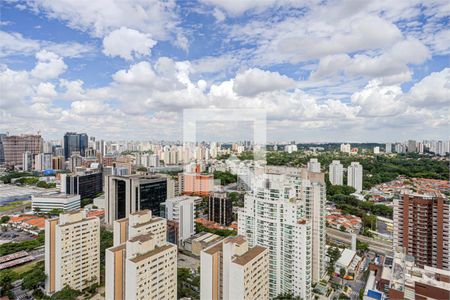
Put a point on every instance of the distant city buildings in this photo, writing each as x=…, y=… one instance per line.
x=43, y=161
x=196, y=183
x=290, y=148
x=75, y=142
x=15, y=145
x=231, y=269
x=132, y=193
x=141, y=264
x=355, y=176
x=27, y=161
x=336, y=173
x=388, y=148
x=72, y=252
x=346, y=148
x=220, y=208
x=421, y=228
x=87, y=185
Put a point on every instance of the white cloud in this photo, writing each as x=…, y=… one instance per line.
x=127, y=43
x=255, y=81
x=49, y=66
x=432, y=91
x=236, y=8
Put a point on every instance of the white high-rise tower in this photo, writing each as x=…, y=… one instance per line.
x=336, y=173
x=285, y=212
x=354, y=176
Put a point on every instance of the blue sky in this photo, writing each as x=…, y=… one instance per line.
x=323, y=70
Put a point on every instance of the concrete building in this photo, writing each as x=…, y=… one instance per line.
x=141, y=264
x=15, y=145
x=376, y=150
x=314, y=165
x=196, y=183
x=75, y=160
x=285, y=212
x=220, y=208
x=87, y=184
x=421, y=227
x=200, y=241
x=43, y=161
x=58, y=163
x=46, y=202
x=131, y=193
x=346, y=148
x=72, y=251
x=27, y=161
x=355, y=176
x=232, y=270
x=411, y=146
x=181, y=211
x=388, y=148
x=336, y=173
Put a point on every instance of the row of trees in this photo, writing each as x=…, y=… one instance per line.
x=13, y=247
x=225, y=177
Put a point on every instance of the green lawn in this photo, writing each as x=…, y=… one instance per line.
x=24, y=268
x=15, y=204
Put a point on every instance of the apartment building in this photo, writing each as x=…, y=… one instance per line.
x=421, y=227
x=355, y=176
x=285, y=212
x=220, y=208
x=15, y=145
x=232, y=270
x=336, y=173
x=72, y=251
x=141, y=264
x=180, y=211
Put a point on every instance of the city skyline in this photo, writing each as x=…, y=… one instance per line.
x=319, y=69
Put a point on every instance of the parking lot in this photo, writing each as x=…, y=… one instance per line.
x=8, y=234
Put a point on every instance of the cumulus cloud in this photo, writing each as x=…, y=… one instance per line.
x=255, y=81
x=127, y=43
x=433, y=90
x=49, y=66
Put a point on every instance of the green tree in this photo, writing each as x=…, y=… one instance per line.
x=342, y=228
x=4, y=219
x=7, y=277
x=106, y=241
x=342, y=273
x=86, y=201
x=66, y=293
x=287, y=296
x=34, y=278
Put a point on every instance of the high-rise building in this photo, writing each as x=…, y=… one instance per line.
x=411, y=147
x=421, y=227
x=346, y=148
x=2, y=152
x=75, y=160
x=220, y=208
x=141, y=264
x=336, y=173
x=43, y=161
x=181, y=211
x=355, y=176
x=75, y=142
x=314, y=165
x=27, y=161
x=285, y=212
x=131, y=193
x=388, y=148
x=196, y=183
x=232, y=270
x=58, y=163
x=15, y=145
x=86, y=185
x=72, y=252
x=376, y=150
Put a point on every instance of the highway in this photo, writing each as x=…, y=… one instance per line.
x=378, y=246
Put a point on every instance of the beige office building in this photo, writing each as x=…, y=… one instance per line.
x=141, y=264
x=72, y=251
x=231, y=270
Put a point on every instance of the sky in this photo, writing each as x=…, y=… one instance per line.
x=323, y=71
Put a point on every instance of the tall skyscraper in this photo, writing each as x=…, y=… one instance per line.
x=220, y=208
x=355, y=176
x=181, y=211
x=336, y=173
x=72, y=252
x=232, y=270
x=388, y=148
x=15, y=145
x=2, y=152
x=285, y=212
x=314, y=165
x=412, y=146
x=141, y=264
x=75, y=142
x=421, y=227
x=131, y=193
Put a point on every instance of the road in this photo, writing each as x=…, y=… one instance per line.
x=378, y=246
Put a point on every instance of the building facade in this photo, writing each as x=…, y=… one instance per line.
x=181, y=211
x=128, y=194
x=421, y=228
x=15, y=145
x=336, y=173
x=141, y=264
x=232, y=270
x=355, y=176
x=86, y=185
x=72, y=252
x=43, y=161
x=285, y=212
x=46, y=202
x=75, y=142
x=220, y=208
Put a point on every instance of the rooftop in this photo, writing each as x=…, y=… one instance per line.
x=155, y=251
x=249, y=255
